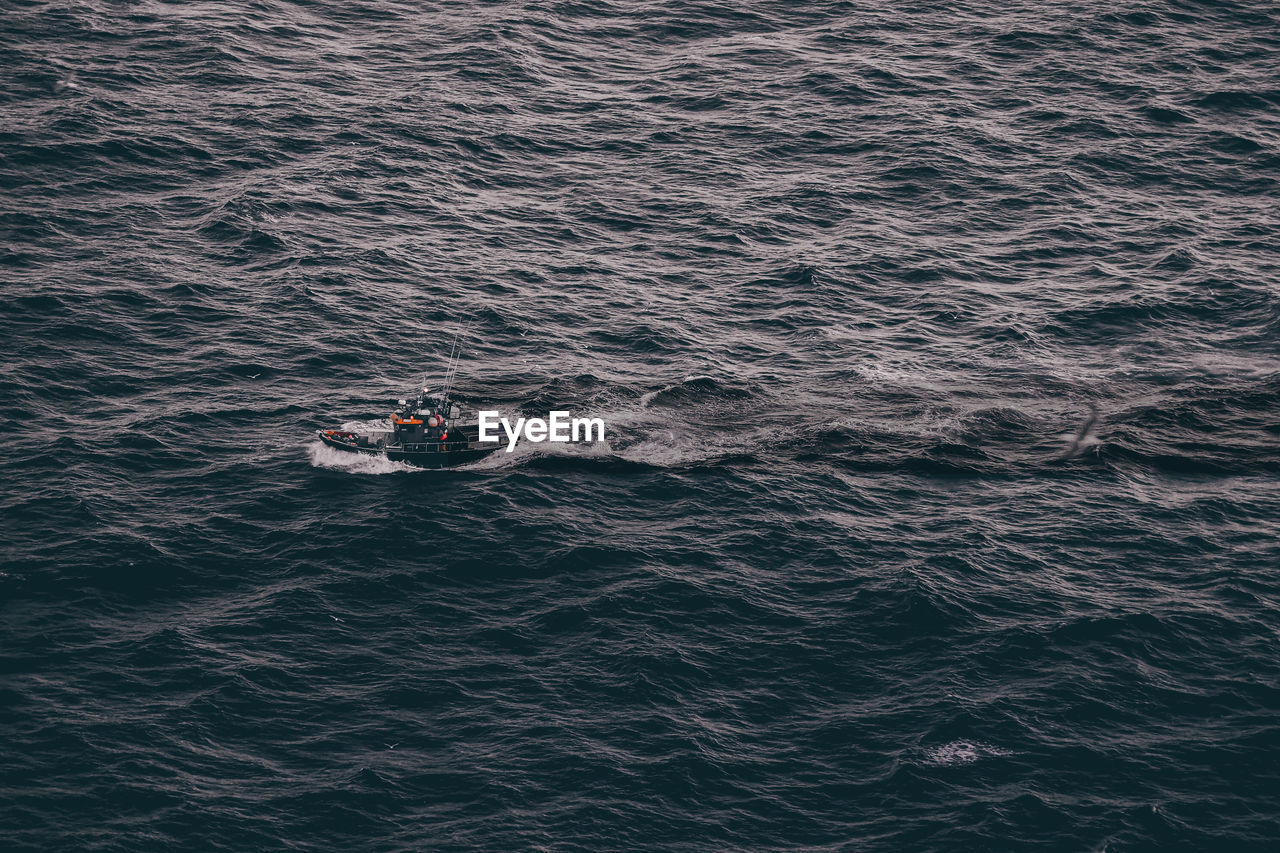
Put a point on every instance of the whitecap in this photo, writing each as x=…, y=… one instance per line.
x=962, y=752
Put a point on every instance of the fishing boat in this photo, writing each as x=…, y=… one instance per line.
x=426, y=432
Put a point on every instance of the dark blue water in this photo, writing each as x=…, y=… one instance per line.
x=838, y=276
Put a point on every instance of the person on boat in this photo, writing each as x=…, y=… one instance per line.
x=435, y=427
x=450, y=437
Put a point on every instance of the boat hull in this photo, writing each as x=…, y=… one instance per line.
x=433, y=455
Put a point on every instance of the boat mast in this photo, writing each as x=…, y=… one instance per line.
x=451, y=367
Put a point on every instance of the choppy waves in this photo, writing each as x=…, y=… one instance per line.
x=842, y=280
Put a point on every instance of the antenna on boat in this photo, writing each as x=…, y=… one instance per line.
x=451, y=367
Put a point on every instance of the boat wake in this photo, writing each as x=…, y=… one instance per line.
x=323, y=456
x=527, y=451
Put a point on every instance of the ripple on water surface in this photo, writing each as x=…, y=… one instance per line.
x=842, y=280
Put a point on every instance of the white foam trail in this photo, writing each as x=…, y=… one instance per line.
x=669, y=449
x=527, y=450
x=658, y=445
x=962, y=752
x=324, y=456
x=659, y=454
